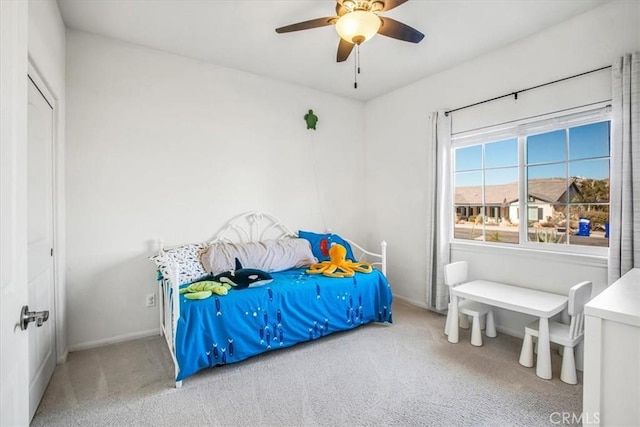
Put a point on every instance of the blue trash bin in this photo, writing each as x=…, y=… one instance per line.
x=584, y=227
x=606, y=230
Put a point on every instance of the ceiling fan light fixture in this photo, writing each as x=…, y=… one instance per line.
x=358, y=26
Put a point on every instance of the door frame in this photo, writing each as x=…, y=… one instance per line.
x=57, y=159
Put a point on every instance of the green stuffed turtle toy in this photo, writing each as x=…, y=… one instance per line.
x=202, y=290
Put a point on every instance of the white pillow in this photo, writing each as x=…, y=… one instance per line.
x=268, y=255
x=187, y=260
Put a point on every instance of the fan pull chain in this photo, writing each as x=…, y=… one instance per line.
x=356, y=67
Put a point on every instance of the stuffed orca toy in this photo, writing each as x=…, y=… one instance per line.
x=241, y=278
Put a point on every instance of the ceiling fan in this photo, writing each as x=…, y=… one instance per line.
x=359, y=20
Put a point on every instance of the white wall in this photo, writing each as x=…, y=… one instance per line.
x=46, y=48
x=164, y=146
x=397, y=203
x=14, y=343
x=146, y=129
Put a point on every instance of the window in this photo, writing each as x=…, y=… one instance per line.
x=554, y=171
x=486, y=189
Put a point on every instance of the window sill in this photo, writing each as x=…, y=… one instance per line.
x=540, y=254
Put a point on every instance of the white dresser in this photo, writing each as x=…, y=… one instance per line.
x=612, y=355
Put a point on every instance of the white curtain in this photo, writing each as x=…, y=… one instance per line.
x=624, y=221
x=440, y=223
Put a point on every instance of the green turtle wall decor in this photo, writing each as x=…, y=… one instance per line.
x=311, y=120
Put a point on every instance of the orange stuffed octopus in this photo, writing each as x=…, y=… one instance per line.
x=338, y=265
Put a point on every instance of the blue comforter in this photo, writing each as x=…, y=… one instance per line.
x=295, y=307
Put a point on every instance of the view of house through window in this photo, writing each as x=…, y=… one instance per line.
x=548, y=187
x=486, y=192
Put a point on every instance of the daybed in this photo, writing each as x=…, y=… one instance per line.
x=293, y=308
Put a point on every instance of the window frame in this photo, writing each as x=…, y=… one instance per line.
x=519, y=130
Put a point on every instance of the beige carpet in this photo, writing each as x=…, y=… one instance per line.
x=405, y=374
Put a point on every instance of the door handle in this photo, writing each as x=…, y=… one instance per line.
x=27, y=317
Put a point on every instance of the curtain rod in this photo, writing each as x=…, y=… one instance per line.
x=515, y=94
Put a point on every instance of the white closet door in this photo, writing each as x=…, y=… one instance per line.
x=42, y=360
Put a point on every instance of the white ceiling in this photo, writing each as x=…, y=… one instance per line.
x=240, y=34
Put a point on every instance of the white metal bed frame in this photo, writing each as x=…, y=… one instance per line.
x=246, y=227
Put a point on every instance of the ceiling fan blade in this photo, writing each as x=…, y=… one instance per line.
x=398, y=30
x=344, y=50
x=307, y=25
x=390, y=4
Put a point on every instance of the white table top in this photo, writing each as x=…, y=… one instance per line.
x=620, y=301
x=523, y=300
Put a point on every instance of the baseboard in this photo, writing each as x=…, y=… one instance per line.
x=511, y=332
x=113, y=340
x=63, y=358
x=418, y=304
x=411, y=301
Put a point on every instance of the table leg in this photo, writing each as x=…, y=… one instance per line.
x=453, y=320
x=543, y=363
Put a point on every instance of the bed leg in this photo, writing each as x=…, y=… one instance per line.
x=178, y=384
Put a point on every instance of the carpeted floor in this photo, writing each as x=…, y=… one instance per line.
x=405, y=374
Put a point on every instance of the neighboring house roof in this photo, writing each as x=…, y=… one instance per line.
x=494, y=194
x=549, y=190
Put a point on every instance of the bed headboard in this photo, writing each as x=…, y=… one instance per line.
x=252, y=227
x=257, y=226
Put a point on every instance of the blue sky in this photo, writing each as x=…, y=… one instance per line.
x=587, y=150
